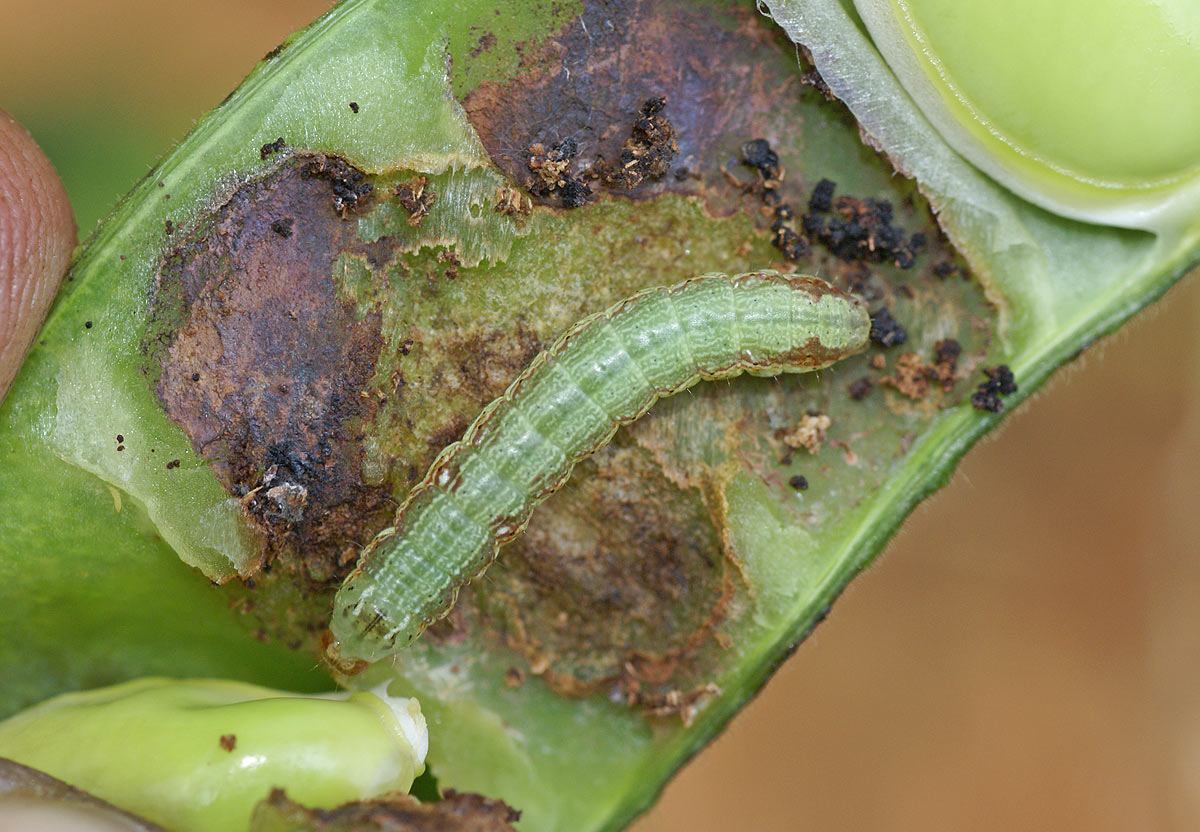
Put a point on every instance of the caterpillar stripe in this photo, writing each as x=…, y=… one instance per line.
x=605, y=371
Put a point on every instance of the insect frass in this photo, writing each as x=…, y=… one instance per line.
x=606, y=371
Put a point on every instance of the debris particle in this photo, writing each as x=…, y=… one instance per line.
x=859, y=388
x=486, y=41
x=174, y=463
x=514, y=677
x=350, y=191
x=551, y=173
x=647, y=153
x=859, y=229
x=416, y=197
x=228, y=741
x=808, y=433
x=575, y=194
x=886, y=330
x=673, y=702
x=270, y=148
x=799, y=482
x=288, y=500
x=946, y=353
x=910, y=378
x=813, y=79
x=451, y=259
x=757, y=153
x=283, y=226
x=793, y=246
x=510, y=202
x=354, y=107
x=1000, y=382
x=170, y=226
x=821, y=200
x=946, y=268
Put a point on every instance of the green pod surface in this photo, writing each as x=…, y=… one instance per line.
x=197, y=755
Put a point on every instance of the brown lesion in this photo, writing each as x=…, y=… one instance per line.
x=644, y=108
x=393, y=812
x=264, y=368
x=619, y=586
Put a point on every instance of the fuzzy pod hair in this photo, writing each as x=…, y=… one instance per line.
x=605, y=371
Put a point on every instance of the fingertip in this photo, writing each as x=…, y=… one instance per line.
x=37, y=236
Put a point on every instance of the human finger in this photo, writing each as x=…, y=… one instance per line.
x=37, y=235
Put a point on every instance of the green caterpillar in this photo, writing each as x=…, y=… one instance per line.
x=604, y=372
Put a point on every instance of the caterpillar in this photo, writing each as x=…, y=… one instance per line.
x=606, y=371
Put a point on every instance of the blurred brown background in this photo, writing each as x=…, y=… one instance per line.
x=1026, y=655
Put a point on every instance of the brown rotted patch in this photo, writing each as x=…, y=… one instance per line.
x=455, y=812
x=264, y=368
x=620, y=105
x=617, y=585
x=485, y=362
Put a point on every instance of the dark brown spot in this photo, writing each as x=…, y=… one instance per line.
x=283, y=226
x=944, y=370
x=859, y=388
x=821, y=201
x=354, y=107
x=1000, y=382
x=486, y=41
x=348, y=185
x=271, y=148
x=886, y=331
x=228, y=742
